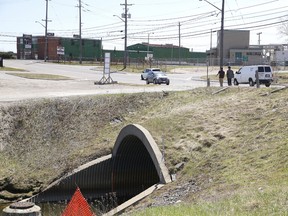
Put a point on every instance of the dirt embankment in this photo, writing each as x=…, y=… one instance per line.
x=42, y=139
x=220, y=146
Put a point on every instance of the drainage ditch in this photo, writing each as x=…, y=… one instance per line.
x=112, y=183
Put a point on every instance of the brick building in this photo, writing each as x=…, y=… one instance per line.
x=33, y=47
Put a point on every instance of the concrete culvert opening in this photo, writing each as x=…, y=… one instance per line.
x=136, y=165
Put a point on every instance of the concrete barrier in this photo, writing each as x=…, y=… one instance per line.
x=22, y=209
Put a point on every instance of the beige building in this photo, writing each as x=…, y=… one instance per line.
x=236, y=49
x=248, y=56
x=233, y=39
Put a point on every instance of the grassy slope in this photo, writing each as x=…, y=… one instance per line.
x=234, y=144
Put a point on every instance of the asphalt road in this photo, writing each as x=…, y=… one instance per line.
x=82, y=78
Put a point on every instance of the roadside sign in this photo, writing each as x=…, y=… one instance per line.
x=149, y=55
x=107, y=63
x=60, y=50
x=106, y=78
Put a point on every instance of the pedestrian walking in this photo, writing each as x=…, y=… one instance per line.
x=230, y=75
x=221, y=75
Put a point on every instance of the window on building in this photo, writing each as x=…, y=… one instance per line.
x=34, y=40
x=254, y=53
x=238, y=55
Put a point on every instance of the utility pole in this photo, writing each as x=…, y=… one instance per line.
x=125, y=16
x=80, y=34
x=259, y=33
x=125, y=43
x=222, y=35
x=179, y=43
x=148, y=45
x=46, y=29
x=221, y=31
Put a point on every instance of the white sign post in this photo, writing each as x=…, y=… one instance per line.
x=107, y=64
x=106, y=78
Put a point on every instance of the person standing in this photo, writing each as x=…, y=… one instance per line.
x=230, y=75
x=221, y=75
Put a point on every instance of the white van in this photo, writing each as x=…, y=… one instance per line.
x=247, y=75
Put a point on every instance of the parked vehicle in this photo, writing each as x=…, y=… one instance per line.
x=157, y=77
x=146, y=71
x=247, y=75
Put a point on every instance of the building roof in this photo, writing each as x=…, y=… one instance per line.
x=161, y=45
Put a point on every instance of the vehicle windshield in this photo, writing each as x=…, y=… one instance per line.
x=159, y=73
x=156, y=69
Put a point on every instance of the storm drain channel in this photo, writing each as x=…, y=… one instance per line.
x=134, y=170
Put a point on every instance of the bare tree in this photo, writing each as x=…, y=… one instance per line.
x=283, y=28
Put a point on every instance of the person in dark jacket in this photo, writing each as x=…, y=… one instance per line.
x=230, y=76
x=221, y=75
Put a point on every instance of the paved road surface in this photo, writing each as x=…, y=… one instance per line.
x=13, y=88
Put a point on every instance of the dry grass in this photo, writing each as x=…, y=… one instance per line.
x=233, y=144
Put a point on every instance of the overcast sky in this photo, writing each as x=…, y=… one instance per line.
x=160, y=20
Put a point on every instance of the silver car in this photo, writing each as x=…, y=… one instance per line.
x=146, y=71
x=157, y=77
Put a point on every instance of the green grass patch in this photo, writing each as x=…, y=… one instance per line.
x=10, y=69
x=40, y=76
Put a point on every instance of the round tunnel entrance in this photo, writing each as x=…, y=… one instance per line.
x=133, y=170
x=135, y=165
x=137, y=161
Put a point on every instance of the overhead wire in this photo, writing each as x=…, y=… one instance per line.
x=167, y=26
x=190, y=27
x=164, y=27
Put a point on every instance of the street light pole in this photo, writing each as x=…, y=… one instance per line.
x=125, y=40
x=221, y=31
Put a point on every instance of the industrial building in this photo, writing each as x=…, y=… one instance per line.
x=236, y=50
x=33, y=47
x=61, y=48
